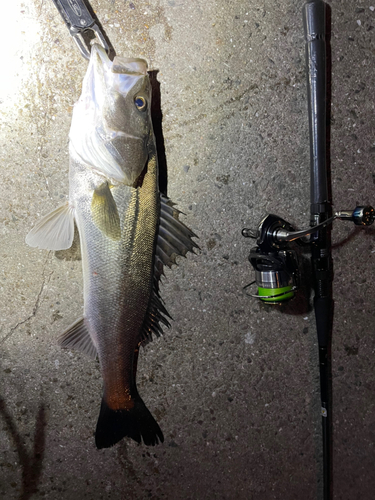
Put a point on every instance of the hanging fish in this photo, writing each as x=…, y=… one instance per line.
x=128, y=232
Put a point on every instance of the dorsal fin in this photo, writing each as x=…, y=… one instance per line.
x=156, y=314
x=173, y=239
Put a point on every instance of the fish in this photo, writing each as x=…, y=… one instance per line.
x=128, y=232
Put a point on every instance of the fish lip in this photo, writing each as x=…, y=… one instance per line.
x=100, y=63
x=118, y=75
x=123, y=65
x=102, y=53
x=129, y=65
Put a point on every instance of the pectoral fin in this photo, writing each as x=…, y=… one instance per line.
x=104, y=212
x=54, y=231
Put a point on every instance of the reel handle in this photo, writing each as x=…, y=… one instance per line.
x=278, y=231
x=361, y=216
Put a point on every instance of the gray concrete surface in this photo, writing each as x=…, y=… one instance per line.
x=233, y=384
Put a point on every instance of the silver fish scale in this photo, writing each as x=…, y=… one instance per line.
x=117, y=276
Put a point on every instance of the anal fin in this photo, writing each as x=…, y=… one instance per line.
x=77, y=337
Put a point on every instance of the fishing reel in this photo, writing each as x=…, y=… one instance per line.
x=276, y=265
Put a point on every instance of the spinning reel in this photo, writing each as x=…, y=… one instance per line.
x=276, y=265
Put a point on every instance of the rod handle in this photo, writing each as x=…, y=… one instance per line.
x=314, y=27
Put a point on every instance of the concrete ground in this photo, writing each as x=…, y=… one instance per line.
x=233, y=384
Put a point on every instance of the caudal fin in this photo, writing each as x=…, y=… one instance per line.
x=136, y=423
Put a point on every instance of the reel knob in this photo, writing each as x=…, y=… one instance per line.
x=361, y=215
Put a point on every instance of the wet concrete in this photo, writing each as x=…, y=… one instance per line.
x=233, y=384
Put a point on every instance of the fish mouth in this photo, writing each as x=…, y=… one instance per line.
x=120, y=75
x=128, y=66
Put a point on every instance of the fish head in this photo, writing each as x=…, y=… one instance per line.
x=111, y=127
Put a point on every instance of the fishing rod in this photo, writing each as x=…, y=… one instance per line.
x=275, y=263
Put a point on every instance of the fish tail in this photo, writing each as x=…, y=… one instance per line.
x=136, y=423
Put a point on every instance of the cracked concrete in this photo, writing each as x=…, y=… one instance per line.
x=36, y=305
x=233, y=384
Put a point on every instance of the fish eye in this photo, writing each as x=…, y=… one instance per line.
x=140, y=103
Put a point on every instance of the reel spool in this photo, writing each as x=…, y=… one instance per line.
x=276, y=275
x=276, y=267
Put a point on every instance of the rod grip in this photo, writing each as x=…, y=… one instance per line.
x=314, y=25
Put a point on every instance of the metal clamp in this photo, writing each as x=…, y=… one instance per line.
x=79, y=20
